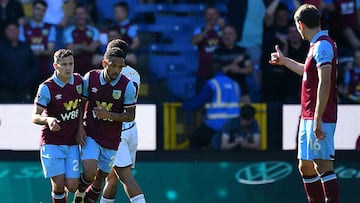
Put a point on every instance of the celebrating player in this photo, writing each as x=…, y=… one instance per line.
x=316, y=151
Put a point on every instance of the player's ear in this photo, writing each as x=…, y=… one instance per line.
x=55, y=65
x=104, y=63
x=301, y=24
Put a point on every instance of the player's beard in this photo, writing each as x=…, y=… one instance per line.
x=112, y=76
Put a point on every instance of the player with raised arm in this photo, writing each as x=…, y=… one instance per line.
x=316, y=151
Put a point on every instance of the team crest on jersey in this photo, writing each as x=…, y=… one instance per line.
x=58, y=96
x=79, y=89
x=94, y=90
x=89, y=33
x=213, y=42
x=116, y=94
x=45, y=32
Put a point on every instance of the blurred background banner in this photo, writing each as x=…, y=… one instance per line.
x=17, y=132
x=346, y=133
x=186, y=177
x=166, y=127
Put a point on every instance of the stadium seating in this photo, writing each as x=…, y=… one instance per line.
x=171, y=56
x=181, y=86
x=163, y=56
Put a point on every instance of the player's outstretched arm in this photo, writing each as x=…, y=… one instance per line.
x=278, y=58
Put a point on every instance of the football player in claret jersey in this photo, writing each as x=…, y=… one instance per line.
x=57, y=108
x=126, y=154
x=316, y=150
x=111, y=100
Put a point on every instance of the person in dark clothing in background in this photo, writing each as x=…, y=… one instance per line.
x=19, y=79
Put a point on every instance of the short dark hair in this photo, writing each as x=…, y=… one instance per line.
x=11, y=22
x=123, y=5
x=309, y=15
x=113, y=28
x=210, y=6
x=42, y=2
x=247, y=112
x=62, y=53
x=81, y=5
x=120, y=44
x=114, y=52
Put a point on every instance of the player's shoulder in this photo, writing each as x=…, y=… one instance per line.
x=130, y=73
x=44, y=88
x=77, y=75
x=324, y=46
x=128, y=68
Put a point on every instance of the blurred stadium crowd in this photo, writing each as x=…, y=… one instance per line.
x=164, y=49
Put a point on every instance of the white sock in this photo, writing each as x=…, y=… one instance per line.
x=61, y=196
x=105, y=200
x=138, y=199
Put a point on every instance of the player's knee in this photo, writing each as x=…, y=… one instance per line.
x=123, y=173
x=72, y=187
x=89, y=176
x=111, y=179
x=306, y=169
x=112, y=184
x=58, y=184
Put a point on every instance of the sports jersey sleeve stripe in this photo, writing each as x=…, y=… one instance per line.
x=86, y=85
x=130, y=95
x=43, y=96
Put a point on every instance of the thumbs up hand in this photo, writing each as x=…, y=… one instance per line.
x=277, y=57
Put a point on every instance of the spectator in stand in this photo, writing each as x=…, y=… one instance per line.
x=296, y=48
x=104, y=17
x=220, y=97
x=236, y=62
x=207, y=38
x=58, y=13
x=17, y=59
x=41, y=37
x=83, y=39
x=352, y=81
x=239, y=133
x=10, y=11
x=112, y=34
x=248, y=19
x=127, y=30
x=345, y=24
x=324, y=6
x=273, y=88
